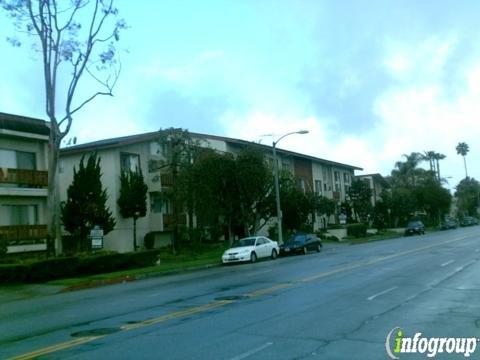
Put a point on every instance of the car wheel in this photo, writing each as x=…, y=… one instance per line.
x=304, y=250
x=274, y=254
x=319, y=248
x=253, y=257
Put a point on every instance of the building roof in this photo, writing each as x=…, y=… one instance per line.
x=24, y=124
x=377, y=177
x=134, y=139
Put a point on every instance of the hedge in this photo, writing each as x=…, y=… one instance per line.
x=63, y=267
x=357, y=230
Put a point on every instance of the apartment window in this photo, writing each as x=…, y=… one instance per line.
x=301, y=184
x=129, y=162
x=156, y=202
x=318, y=187
x=347, y=189
x=18, y=160
x=337, y=187
x=18, y=215
x=324, y=186
x=346, y=178
x=337, y=176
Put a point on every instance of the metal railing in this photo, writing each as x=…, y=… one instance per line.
x=32, y=178
x=23, y=233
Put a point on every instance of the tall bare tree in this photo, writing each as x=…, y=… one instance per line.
x=74, y=38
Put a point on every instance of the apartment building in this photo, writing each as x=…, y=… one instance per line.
x=327, y=178
x=377, y=184
x=23, y=182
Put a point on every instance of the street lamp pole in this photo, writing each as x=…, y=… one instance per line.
x=277, y=187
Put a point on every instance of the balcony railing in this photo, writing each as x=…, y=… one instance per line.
x=31, y=178
x=168, y=220
x=166, y=180
x=14, y=234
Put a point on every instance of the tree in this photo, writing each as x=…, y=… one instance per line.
x=179, y=149
x=360, y=196
x=86, y=203
x=254, y=182
x=468, y=196
x=215, y=192
x=75, y=38
x=462, y=149
x=132, y=201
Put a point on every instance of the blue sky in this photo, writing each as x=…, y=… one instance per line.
x=371, y=80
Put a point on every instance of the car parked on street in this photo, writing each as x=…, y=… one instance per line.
x=251, y=249
x=415, y=228
x=449, y=224
x=301, y=244
x=469, y=221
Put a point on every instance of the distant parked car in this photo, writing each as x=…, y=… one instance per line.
x=251, y=249
x=415, y=227
x=469, y=221
x=301, y=244
x=449, y=224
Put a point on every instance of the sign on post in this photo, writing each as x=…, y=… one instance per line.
x=96, y=236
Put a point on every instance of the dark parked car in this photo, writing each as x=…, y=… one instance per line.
x=301, y=244
x=415, y=227
x=469, y=221
x=449, y=224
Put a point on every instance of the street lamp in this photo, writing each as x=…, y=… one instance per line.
x=277, y=187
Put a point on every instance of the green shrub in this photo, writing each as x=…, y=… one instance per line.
x=50, y=269
x=100, y=263
x=149, y=240
x=12, y=273
x=357, y=230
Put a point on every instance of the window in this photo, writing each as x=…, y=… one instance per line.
x=318, y=187
x=346, y=178
x=158, y=204
x=337, y=176
x=301, y=184
x=129, y=162
x=324, y=186
x=18, y=160
x=18, y=215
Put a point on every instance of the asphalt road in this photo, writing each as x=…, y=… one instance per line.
x=339, y=304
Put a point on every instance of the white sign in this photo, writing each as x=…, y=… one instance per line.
x=96, y=235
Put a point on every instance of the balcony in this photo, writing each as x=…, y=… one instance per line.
x=168, y=220
x=166, y=180
x=23, y=234
x=27, y=178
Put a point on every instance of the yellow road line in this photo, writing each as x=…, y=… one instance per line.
x=216, y=304
x=57, y=347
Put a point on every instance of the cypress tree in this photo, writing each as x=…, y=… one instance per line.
x=86, y=203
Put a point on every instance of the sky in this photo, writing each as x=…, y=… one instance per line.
x=370, y=80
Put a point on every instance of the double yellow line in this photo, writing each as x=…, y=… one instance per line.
x=220, y=303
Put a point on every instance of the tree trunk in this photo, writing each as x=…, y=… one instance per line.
x=465, y=164
x=53, y=200
x=134, y=233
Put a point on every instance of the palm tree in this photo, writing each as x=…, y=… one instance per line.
x=429, y=156
x=437, y=157
x=462, y=149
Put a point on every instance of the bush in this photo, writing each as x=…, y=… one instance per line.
x=52, y=269
x=12, y=273
x=149, y=241
x=357, y=230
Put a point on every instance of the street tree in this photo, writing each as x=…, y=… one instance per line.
x=86, y=203
x=132, y=201
x=360, y=196
x=462, y=149
x=178, y=150
x=468, y=196
x=75, y=39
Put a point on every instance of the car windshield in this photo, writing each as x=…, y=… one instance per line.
x=244, y=242
x=298, y=238
x=414, y=223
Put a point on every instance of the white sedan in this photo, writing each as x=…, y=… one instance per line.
x=251, y=249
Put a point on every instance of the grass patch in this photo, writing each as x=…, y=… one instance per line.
x=186, y=259
x=377, y=237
